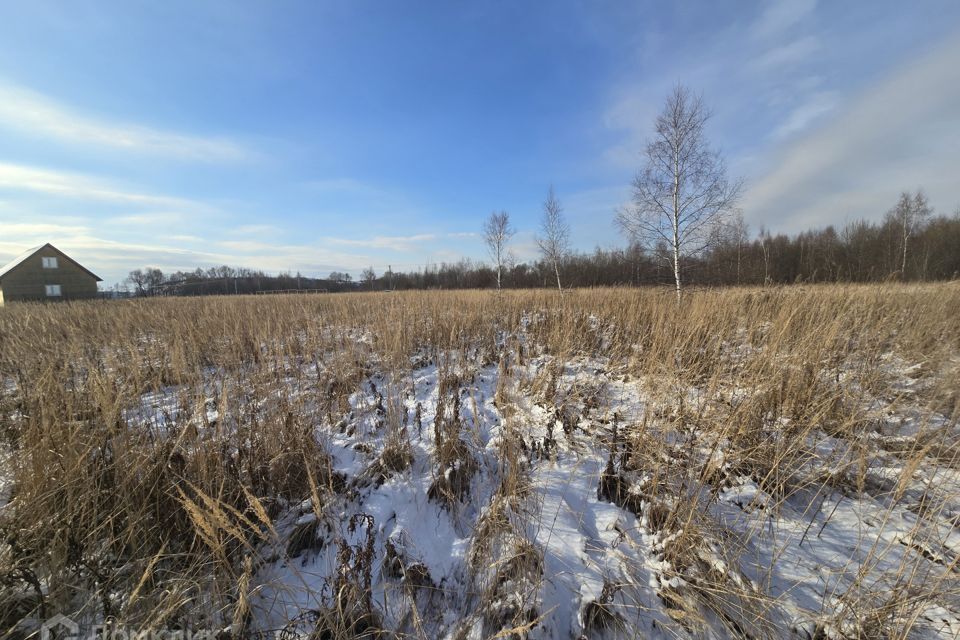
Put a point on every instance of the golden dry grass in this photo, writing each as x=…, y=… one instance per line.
x=147, y=524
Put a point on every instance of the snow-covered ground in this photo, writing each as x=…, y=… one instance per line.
x=530, y=496
x=575, y=506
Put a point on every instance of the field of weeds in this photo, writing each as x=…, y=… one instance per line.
x=757, y=463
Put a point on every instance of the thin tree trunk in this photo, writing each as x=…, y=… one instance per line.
x=739, y=248
x=676, y=268
x=676, y=220
x=903, y=263
x=556, y=271
x=766, y=263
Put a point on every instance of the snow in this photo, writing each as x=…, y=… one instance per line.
x=802, y=564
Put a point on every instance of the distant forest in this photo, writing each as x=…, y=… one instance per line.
x=859, y=252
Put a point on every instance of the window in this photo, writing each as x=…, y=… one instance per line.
x=53, y=290
x=49, y=263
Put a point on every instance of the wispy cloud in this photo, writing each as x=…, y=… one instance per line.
x=275, y=257
x=902, y=133
x=77, y=186
x=524, y=246
x=40, y=229
x=152, y=218
x=795, y=52
x=20, y=236
x=247, y=246
x=391, y=243
x=630, y=114
x=182, y=238
x=29, y=112
x=254, y=230
x=817, y=106
x=780, y=16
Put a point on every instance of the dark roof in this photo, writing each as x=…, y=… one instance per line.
x=13, y=264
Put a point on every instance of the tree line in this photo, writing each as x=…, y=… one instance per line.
x=861, y=251
x=226, y=280
x=857, y=252
x=682, y=227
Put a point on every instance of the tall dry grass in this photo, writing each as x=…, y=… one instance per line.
x=155, y=521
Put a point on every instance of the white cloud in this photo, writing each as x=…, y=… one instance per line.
x=818, y=105
x=29, y=112
x=903, y=133
x=254, y=230
x=245, y=246
x=76, y=186
x=153, y=218
x=792, y=53
x=524, y=246
x=20, y=236
x=631, y=114
x=40, y=229
x=780, y=16
x=392, y=243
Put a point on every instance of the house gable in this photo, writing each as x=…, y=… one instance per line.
x=17, y=262
x=44, y=273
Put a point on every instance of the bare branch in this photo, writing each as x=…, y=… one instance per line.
x=554, y=238
x=497, y=232
x=682, y=194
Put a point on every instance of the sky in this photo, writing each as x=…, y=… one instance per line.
x=318, y=136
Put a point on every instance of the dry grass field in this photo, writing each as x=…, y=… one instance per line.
x=754, y=463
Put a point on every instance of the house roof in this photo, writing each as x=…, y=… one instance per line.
x=13, y=264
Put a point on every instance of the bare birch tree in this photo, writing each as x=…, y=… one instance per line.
x=740, y=233
x=765, y=248
x=909, y=214
x=496, y=234
x=683, y=191
x=554, y=237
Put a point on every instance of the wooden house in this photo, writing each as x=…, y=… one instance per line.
x=46, y=273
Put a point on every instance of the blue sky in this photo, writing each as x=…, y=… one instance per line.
x=319, y=136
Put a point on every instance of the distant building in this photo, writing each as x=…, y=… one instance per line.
x=46, y=273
